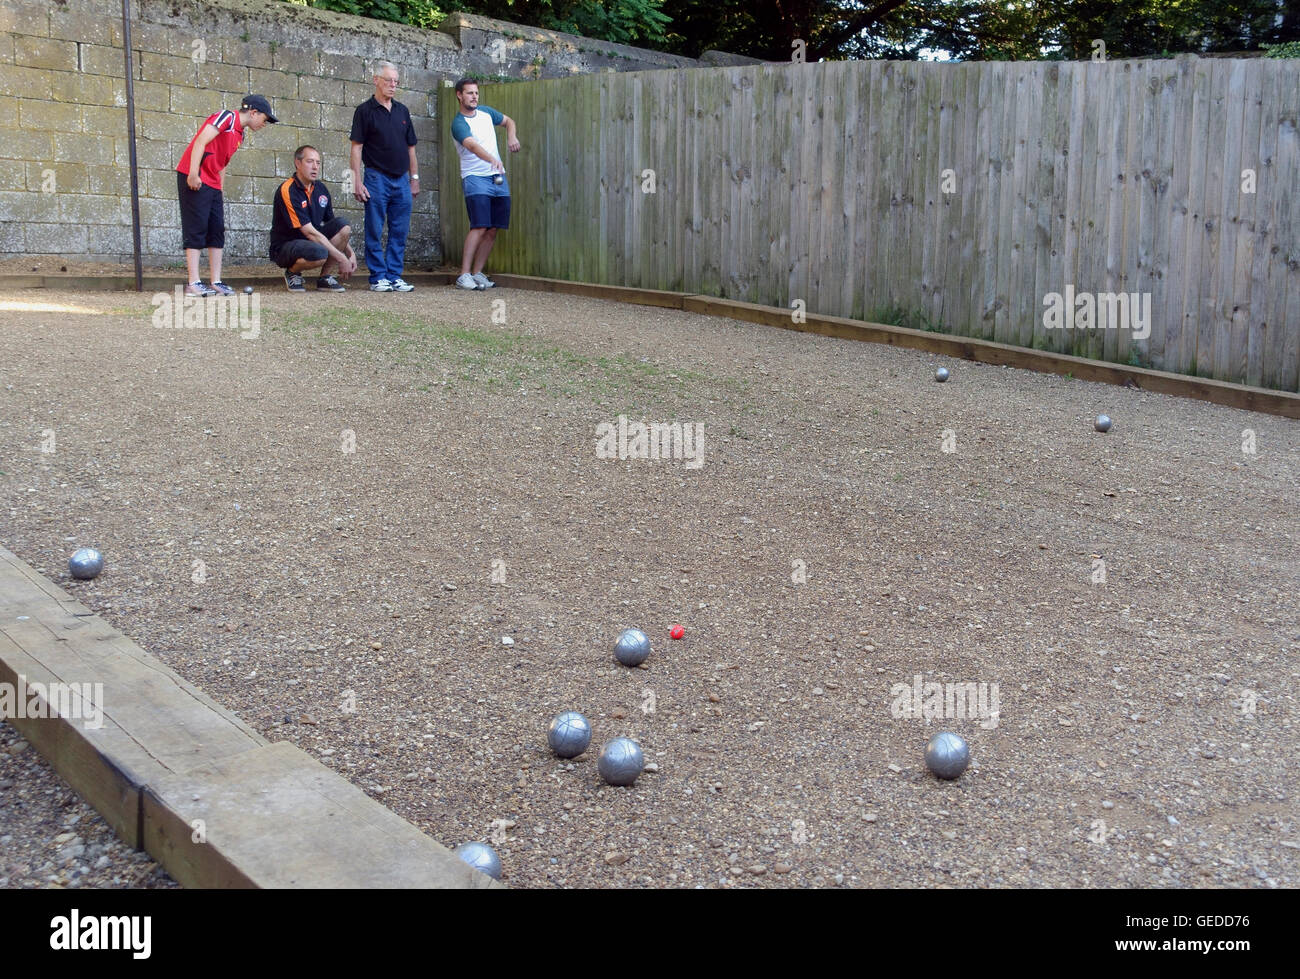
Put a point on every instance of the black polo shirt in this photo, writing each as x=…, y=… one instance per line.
x=296, y=205
x=384, y=135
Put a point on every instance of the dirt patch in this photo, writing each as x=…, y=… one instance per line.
x=357, y=507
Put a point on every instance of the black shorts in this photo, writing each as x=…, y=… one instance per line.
x=289, y=252
x=203, y=221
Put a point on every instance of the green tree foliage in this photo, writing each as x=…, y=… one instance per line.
x=904, y=29
x=419, y=13
x=979, y=29
x=1132, y=28
x=624, y=21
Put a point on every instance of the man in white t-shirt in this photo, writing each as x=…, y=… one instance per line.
x=487, y=194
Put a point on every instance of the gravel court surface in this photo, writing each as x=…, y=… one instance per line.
x=1146, y=734
x=51, y=837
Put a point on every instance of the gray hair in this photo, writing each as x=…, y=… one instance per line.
x=381, y=65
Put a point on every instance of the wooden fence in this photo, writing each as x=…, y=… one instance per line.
x=956, y=197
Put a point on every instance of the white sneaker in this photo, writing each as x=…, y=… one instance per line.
x=401, y=285
x=483, y=281
x=467, y=281
x=383, y=285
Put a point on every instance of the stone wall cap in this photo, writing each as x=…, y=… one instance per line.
x=727, y=59
x=460, y=21
x=169, y=12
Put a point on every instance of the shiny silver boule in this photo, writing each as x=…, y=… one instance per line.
x=248, y=290
x=569, y=734
x=621, y=761
x=1102, y=424
x=947, y=754
x=941, y=374
x=85, y=564
x=632, y=648
x=482, y=857
x=498, y=179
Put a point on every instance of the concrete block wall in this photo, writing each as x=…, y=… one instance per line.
x=64, y=155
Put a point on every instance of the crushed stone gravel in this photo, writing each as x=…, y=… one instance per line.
x=331, y=528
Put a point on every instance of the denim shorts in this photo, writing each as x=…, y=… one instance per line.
x=480, y=185
x=487, y=204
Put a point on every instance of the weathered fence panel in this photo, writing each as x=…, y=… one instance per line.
x=957, y=197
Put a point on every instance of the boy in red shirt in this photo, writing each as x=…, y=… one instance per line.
x=198, y=182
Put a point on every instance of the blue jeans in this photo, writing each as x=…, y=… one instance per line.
x=390, y=199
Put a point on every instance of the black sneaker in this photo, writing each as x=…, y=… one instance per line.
x=293, y=282
x=330, y=283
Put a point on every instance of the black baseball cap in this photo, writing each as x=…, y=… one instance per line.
x=259, y=103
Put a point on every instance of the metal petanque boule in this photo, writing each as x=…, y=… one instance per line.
x=947, y=755
x=632, y=647
x=481, y=857
x=85, y=564
x=248, y=290
x=620, y=762
x=941, y=374
x=1102, y=424
x=569, y=734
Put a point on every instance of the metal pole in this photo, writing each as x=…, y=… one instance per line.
x=130, y=142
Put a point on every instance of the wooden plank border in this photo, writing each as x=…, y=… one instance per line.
x=174, y=773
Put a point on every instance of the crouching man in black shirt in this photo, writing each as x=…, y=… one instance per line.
x=305, y=234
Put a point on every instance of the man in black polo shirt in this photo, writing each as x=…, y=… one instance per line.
x=305, y=234
x=384, y=139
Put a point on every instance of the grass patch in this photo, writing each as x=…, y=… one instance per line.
x=1137, y=359
x=494, y=358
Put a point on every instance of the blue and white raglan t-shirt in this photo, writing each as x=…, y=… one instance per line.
x=482, y=126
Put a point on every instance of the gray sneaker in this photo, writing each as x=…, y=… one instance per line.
x=199, y=289
x=467, y=281
x=221, y=289
x=483, y=281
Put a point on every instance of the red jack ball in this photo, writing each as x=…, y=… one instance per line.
x=677, y=632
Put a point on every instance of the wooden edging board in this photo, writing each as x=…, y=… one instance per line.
x=1284, y=403
x=174, y=773
x=982, y=351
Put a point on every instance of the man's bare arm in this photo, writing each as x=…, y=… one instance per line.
x=475, y=147
x=312, y=233
x=512, y=137
x=206, y=135
x=358, y=188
